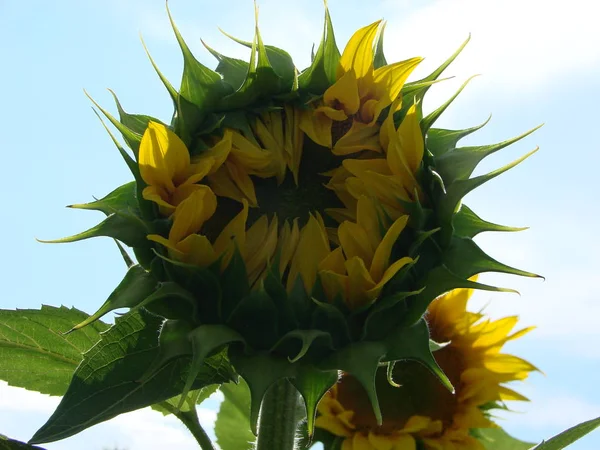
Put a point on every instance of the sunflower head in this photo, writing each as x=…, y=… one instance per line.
x=305, y=220
x=417, y=409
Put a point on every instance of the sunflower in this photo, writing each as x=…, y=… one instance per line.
x=269, y=191
x=418, y=408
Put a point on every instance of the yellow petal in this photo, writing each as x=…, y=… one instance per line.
x=361, y=442
x=158, y=195
x=333, y=425
x=358, y=54
x=312, y=248
x=294, y=139
x=274, y=144
x=288, y=243
x=163, y=157
x=191, y=213
x=341, y=98
x=359, y=283
x=388, y=81
x=359, y=167
x=355, y=242
x=416, y=423
x=381, y=259
x=316, y=126
x=200, y=169
x=387, y=276
x=233, y=233
x=260, y=247
x=359, y=137
x=223, y=186
x=411, y=139
x=381, y=442
x=388, y=129
x=242, y=180
x=184, y=191
x=172, y=246
x=252, y=158
x=217, y=154
x=369, y=220
x=197, y=250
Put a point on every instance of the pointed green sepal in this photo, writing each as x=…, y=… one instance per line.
x=206, y=340
x=233, y=70
x=567, y=437
x=459, y=164
x=440, y=141
x=437, y=282
x=199, y=85
x=412, y=343
x=135, y=122
x=313, y=384
x=125, y=227
x=437, y=72
x=171, y=301
x=131, y=291
x=234, y=284
x=468, y=224
x=322, y=73
x=260, y=371
x=464, y=258
x=430, y=119
x=173, y=343
x=303, y=339
x=122, y=198
x=255, y=317
x=131, y=137
x=361, y=360
x=457, y=190
x=383, y=316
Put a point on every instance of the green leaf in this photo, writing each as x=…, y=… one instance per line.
x=36, y=353
x=108, y=381
x=498, y=439
x=190, y=401
x=199, y=85
x=123, y=226
x=10, y=444
x=569, y=436
x=232, y=426
x=439, y=140
x=322, y=73
x=131, y=291
x=122, y=198
x=468, y=224
x=459, y=164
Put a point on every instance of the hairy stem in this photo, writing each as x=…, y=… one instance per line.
x=278, y=420
x=190, y=420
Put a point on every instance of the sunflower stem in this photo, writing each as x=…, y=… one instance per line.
x=278, y=419
x=190, y=420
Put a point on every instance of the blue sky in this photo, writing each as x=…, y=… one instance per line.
x=540, y=64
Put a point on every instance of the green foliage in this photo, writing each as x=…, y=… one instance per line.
x=232, y=427
x=121, y=199
x=569, y=436
x=109, y=382
x=36, y=353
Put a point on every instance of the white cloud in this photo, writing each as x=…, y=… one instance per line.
x=18, y=399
